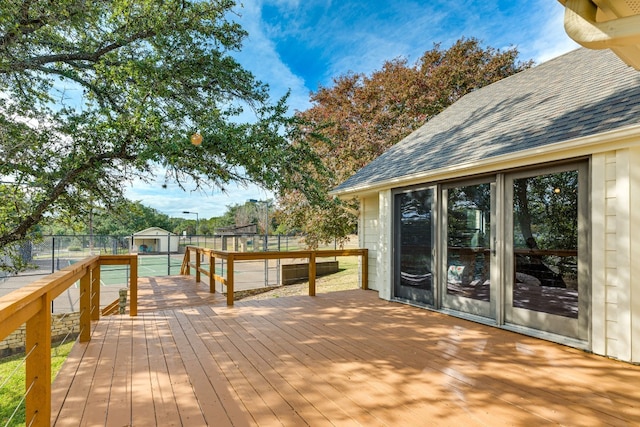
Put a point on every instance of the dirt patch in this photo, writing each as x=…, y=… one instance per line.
x=323, y=285
x=237, y=296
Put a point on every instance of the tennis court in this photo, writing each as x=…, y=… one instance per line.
x=148, y=266
x=248, y=275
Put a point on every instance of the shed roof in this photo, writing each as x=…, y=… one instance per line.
x=153, y=231
x=581, y=93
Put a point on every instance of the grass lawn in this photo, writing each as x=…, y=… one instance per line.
x=346, y=278
x=12, y=383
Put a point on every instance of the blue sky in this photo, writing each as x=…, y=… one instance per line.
x=299, y=45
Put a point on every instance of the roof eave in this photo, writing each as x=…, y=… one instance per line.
x=619, y=32
x=573, y=148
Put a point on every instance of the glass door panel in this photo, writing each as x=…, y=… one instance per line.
x=414, y=246
x=469, y=234
x=548, y=232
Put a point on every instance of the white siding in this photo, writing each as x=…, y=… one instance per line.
x=368, y=235
x=385, y=244
x=621, y=317
x=634, y=253
x=615, y=252
x=610, y=256
x=600, y=245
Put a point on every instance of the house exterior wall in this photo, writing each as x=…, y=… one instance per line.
x=368, y=235
x=385, y=244
x=602, y=237
x=614, y=249
x=615, y=219
x=634, y=245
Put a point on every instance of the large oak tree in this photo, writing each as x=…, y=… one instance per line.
x=96, y=92
x=361, y=116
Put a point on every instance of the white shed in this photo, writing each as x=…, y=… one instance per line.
x=154, y=240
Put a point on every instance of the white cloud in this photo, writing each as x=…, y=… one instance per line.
x=207, y=202
x=552, y=40
x=259, y=55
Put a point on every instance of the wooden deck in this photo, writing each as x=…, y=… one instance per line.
x=345, y=358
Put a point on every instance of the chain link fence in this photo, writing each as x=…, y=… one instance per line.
x=160, y=254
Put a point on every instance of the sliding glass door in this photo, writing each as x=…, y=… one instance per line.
x=469, y=233
x=510, y=248
x=414, y=255
x=547, y=253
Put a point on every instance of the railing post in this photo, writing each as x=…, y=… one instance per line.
x=94, y=291
x=198, y=255
x=312, y=273
x=184, y=268
x=85, y=306
x=38, y=366
x=133, y=286
x=212, y=271
x=230, y=279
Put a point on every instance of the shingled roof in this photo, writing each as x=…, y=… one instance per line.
x=581, y=93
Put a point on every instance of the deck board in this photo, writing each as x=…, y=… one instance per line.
x=164, y=403
x=141, y=377
x=262, y=377
x=267, y=369
x=344, y=358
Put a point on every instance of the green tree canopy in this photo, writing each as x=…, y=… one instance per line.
x=128, y=218
x=95, y=93
x=361, y=116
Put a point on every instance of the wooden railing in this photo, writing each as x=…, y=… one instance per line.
x=31, y=304
x=210, y=256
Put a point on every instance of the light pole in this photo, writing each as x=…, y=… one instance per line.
x=197, y=225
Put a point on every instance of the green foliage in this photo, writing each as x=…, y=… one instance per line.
x=360, y=117
x=96, y=94
x=13, y=390
x=127, y=218
x=546, y=209
x=321, y=223
x=121, y=219
x=468, y=214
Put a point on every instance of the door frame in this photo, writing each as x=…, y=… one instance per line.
x=514, y=317
x=417, y=296
x=502, y=269
x=485, y=311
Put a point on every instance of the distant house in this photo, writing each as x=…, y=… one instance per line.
x=518, y=207
x=154, y=240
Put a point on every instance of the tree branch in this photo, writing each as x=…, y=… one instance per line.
x=103, y=96
x=37, y=212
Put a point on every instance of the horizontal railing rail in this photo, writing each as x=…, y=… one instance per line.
x=31, y=304
x=231, y=257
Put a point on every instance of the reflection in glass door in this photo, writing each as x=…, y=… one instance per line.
x=469, y=234
x=414, y=246
x=546, y=290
